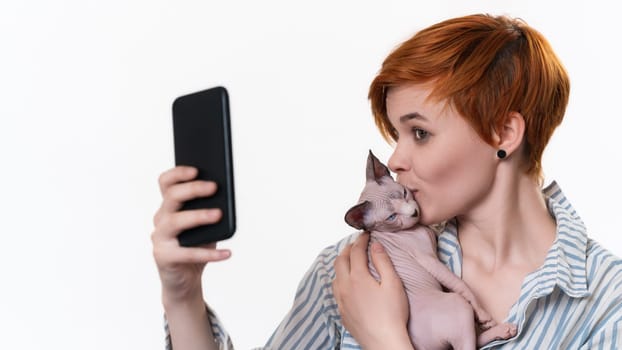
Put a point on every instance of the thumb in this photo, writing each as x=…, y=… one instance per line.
x=382, y=263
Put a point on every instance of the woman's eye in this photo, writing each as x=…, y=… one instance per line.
x=392, y=217
x=420, y=134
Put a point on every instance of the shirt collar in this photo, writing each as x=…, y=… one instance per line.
x=565, y=264
x=569, y=251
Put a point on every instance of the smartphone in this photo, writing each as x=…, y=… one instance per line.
x=202, y=138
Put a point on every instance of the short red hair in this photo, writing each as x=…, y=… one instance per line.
x=485, y=67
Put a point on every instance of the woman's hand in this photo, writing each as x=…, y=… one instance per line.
x=375, y=313
x=180, y=268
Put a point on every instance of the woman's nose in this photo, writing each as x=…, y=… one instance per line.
x=398, y=162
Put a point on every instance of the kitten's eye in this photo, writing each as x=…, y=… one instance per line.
x=420, y=134
x=405, y=194
x=392, y=217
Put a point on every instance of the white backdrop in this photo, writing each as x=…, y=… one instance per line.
x=85, y=97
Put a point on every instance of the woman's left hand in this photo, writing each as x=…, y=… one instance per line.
x=375, y=313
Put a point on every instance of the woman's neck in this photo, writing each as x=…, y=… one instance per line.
x=509, y=227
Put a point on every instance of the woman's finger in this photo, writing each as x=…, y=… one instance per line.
x=175, y=175
x=179, y=193
x=200, y=255
x=382, y=263
x=359, y=263
x=342, y=262
x=171, y=255
x=172, y=224
x=342, y=273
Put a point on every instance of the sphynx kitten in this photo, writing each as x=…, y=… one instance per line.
x=439, y=319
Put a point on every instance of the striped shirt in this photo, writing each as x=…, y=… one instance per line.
x=573, y=301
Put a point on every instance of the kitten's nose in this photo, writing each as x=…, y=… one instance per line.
x=416, y=213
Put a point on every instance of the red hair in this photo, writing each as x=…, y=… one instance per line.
x=485, y=67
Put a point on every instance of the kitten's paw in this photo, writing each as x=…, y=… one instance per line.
x=511, y=330
x=499, y=332
x=506, y=331
x=484, y=319
x=487, y=324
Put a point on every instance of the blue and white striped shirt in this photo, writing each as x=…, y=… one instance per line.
x=573, y=301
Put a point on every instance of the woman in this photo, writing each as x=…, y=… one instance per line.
x=470, y=103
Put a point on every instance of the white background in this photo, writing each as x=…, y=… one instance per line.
x=85, y=96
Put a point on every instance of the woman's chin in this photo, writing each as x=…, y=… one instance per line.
x=428, y=220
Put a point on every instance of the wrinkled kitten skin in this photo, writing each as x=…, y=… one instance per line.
x=439, y=320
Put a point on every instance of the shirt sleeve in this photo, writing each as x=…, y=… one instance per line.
x=313, y=322
x=220, y=334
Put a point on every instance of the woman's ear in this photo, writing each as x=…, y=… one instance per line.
x=510, y=133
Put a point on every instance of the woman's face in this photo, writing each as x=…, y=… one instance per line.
x=438, y=156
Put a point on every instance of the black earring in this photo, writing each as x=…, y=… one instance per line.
x=501, y=154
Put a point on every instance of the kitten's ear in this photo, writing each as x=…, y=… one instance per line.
x=356, y=215
x=375, y=169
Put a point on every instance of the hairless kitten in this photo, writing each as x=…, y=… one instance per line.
x=439, y=319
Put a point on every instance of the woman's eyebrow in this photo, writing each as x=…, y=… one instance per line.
x=413, y=115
